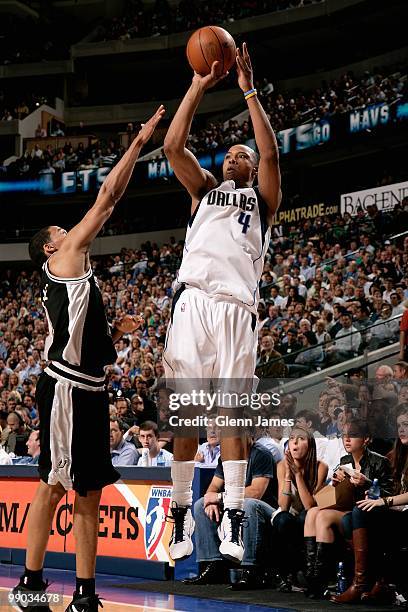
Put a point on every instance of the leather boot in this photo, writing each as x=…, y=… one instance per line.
x=214, y=572
x=323, y=566
x=381, y=593
x=306, y=578
x=360, y=580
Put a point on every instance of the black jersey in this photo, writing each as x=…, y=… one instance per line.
x=79, y=338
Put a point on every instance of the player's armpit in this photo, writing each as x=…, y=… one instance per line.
x=195, y=179
x=81, y=236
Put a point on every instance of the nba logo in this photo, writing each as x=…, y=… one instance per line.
x=183, y=307
x=157, y=509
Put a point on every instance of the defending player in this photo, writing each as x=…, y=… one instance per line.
x=213, y=331
x=72, y=400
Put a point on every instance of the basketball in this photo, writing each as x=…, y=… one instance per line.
x=210, y=44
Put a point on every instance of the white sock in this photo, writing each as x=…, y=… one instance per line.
x=182, y=474
x=234, y=478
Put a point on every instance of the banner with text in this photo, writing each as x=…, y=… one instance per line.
x=384, y=197
x=131, y=519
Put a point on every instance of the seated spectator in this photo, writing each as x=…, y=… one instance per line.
x=300, y=476
x=373, y=532
x=309, y=420
x=33, y=450
x=308, y=359
x=208, y=453
x=270, y=364
x=383, y=332
x=259, y=503
x=292, y=345
x=122, y=452
x=149, y=438
x=123, y=411
x=272, y=438
x=322, y=524
x=347, y=341
x=19, y=432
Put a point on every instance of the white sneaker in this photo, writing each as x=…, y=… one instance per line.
x=181, y=544
x=230, y=534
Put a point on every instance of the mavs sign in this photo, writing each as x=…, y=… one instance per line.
x=369, y=118
x=157, y=509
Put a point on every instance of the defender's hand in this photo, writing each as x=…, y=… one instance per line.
x=129, y=323
x=148, y=128
x=244, y=69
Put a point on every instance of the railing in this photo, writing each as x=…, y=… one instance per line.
x=322, y=365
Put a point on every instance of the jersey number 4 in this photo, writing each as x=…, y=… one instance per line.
x=244, y=220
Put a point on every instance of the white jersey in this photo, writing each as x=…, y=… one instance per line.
x=226, y=241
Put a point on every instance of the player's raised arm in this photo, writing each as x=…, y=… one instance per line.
x=113, y=188
x=269, y=179
x=195, y=179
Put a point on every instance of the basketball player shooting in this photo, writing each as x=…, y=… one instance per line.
x=72, y=400
x=213, y=332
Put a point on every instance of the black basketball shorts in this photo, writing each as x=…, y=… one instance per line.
x=74, y=436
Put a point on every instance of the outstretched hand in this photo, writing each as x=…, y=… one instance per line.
x=210, y=80
x=244, y=69
x=148, y=128
x=129, y=323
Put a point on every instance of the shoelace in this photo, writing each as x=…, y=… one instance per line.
x=237, y=519
x=177, y=517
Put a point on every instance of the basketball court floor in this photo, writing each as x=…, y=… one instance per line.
x=116, y=597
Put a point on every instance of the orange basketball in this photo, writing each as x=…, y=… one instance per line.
x=210, y=44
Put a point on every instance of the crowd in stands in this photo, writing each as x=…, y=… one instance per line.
x=284, y=110
x=164, y=18
x=289, y=109
x=43, y=160
x=331, y=288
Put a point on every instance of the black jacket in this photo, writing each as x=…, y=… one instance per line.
x=373, y=466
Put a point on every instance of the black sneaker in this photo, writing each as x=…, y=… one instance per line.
x=90, y=603
x=26, y=599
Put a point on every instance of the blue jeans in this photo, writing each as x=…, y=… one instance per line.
x=257, y=532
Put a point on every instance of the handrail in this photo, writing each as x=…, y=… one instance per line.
x=333, y=340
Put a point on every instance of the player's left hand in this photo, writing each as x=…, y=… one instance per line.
x=129, y=323
x=148, y=128
x=244, y=69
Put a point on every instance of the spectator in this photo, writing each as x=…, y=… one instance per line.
x=300, y=475
x=347, y=341
x=33, y=450
x=208, y=453
x=403, y=339
x=270, y=363
x=321, y=524
x=149, y=438
x=18, y=435
x=122, y=452
x=260, y=500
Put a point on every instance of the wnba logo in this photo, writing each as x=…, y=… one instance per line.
x=157, y=510
x=183, y=307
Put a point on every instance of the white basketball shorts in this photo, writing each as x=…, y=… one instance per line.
x=210, y=339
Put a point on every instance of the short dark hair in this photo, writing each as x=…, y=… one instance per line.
x=308, y=415
x=121, y=424
x=36, y=246
x=150, y=425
